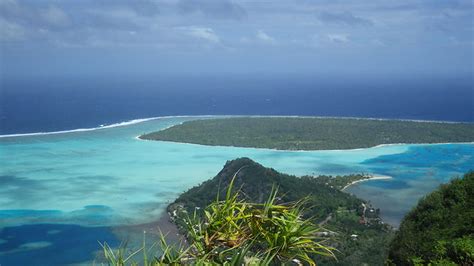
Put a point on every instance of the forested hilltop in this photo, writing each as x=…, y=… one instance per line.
x=440, y=229
x=352, y=226
x=292, y=133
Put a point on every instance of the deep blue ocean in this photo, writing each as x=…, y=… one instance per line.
x=52, y=104
x=61, y=194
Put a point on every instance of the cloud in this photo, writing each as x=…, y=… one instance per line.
x=119, y=19
x=260, y=37
x=202, y=33
x=80, y=15
x=219, y=9
x=241, y=30
x=39, y=15
x=55, y=16
x=338, y=38
x=140, y=7
x=344, y=18
x=426, y=5
x=263, y=37
x=11, y=31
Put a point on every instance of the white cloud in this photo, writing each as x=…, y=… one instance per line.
x=260, y=37
x=202, y=33
x=263, y=37
x=338, y=38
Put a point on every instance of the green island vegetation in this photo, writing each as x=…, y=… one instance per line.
x=348, y=224
x=440, y=229
x=310, y=133
x=252, y=215
x=235, y=232
x=232, y=231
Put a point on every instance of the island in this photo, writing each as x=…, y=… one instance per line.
x=349, y=224
x=312, y=133
x=218, y=222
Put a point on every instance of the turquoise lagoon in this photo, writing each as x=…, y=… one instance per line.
x=64, y=192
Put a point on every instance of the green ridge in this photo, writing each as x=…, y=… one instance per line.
x=440, y=229
x=324, y=200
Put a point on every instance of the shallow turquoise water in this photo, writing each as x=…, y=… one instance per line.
x=107, y=177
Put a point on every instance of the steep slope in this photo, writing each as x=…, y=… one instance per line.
x=256, y=181
x=440, y=229
x=339, y=213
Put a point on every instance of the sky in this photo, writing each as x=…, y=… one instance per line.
x=184, y=37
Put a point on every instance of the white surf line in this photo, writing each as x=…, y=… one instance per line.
x=120, y=124
x=374, y=177
x=140, y=120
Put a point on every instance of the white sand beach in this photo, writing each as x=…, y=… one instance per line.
x=375, y=177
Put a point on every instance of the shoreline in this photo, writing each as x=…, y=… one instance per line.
x=373, y=177
x=279, y=150
x=140, y=120
x=318, y=117
x=164, y=224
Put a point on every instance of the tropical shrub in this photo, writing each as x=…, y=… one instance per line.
x=235, y=232
x=440, y=229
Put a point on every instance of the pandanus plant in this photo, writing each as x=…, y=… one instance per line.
x=235, y=232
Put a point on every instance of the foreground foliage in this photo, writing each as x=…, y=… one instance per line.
x=236, y=232
x=440, y=229
x=339, y=213
x=291, y=133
